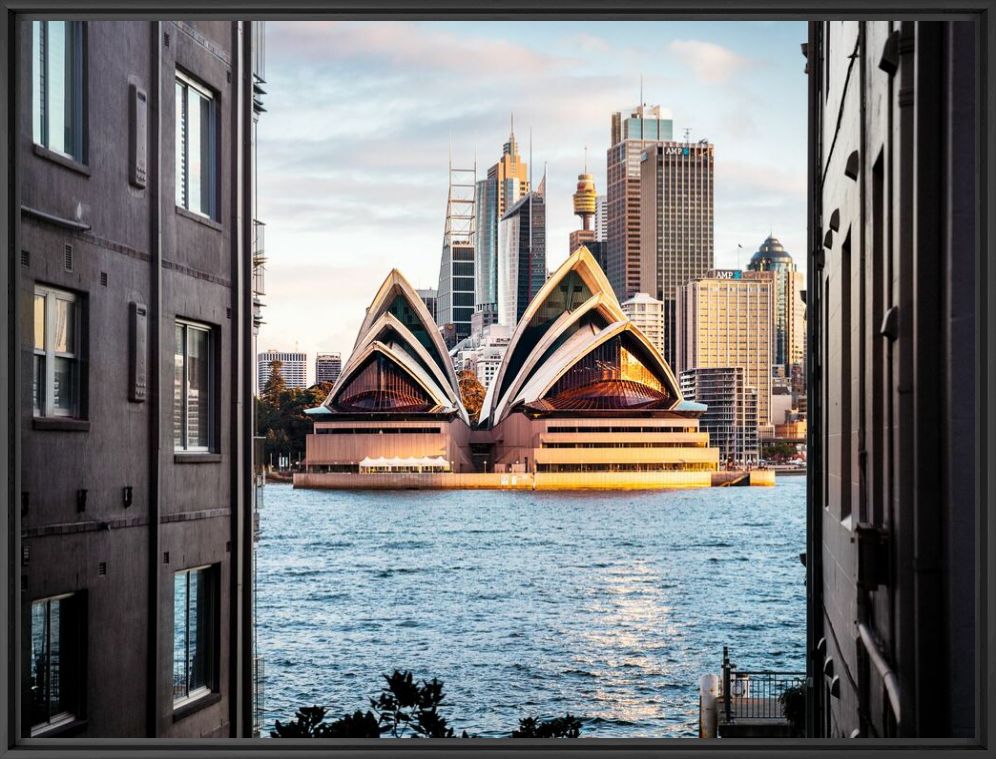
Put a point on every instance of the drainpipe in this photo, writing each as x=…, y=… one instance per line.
x=154, y=402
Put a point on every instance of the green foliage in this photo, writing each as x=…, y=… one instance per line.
x=405, y=705
x=781, y=452
x=309, y=723
x=567, y=726
x=280, y=417
x=406, y=708
x=793, y=701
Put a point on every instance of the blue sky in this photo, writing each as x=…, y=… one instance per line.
x=361, y=117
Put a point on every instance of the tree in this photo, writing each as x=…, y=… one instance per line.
x=567, y=726
x=280, y=414
x=471, y=393
x=406, y=708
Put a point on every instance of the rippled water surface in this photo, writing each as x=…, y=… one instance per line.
x=608, y=606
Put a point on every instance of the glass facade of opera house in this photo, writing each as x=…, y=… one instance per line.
x=581, y=398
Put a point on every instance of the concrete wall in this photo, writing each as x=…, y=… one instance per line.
x=187, y=507
x=507, y=481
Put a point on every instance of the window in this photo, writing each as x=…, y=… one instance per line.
x=196, y=153
x=193, y=388
x=194, y=607
x=55, y=388
x=57, y=90
x=56, y=677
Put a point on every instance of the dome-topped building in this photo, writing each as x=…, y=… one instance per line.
x=771, y=256
x=790, y=326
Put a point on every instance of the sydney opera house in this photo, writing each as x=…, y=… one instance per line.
x=581, y=399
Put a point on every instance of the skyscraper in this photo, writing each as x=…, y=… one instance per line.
x=631, y=135
x=647, y=314
x=428, y=296
x=600, y=229
x=327, y=367
x=294, y=368
x=676, y=222
x=507, y=181
x=521, y=255
x=455, y=295
x=790, y=323
x=724, y=320
x=730, y=417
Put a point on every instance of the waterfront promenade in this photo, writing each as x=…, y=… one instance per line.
x=530, y=481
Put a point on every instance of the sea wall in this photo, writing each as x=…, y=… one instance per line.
x=496, y=481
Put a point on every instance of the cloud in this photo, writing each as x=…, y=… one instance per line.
x=710, y=62
x=394, y=43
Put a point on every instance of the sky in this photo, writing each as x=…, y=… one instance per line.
x=362, y=118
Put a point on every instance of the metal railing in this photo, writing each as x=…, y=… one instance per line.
x=755, y=694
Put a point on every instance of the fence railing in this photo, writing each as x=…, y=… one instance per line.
x=755, y=694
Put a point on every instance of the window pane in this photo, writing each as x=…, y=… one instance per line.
x=194, y=127
x=55, y=90
x=179, y=635
x=37, y=78
x=179, y=440
x=73, y=144
x=63, y=389
x=38, y=385
x=39, y=664
x=198, y=390
x=206, y=156
x=55, y=705
x=39, y=320
x=65, y=326
x=181, y=141
x=197, y=629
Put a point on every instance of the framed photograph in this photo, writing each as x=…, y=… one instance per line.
x=495, y=380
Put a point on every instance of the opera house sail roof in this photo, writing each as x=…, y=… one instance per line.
x=399, y=363
x=575, y=350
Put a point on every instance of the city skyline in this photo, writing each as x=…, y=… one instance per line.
x=343, y=198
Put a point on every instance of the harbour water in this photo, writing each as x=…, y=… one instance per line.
x=606, y=605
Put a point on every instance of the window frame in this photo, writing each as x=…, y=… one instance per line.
x=208, y=636
x=182, y=175
x=45, y=392
x=40, y=126
x=212, y=386
x=74, y=615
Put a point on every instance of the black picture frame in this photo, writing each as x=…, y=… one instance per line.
x=980, y=11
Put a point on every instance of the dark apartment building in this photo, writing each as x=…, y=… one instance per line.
x=892, y=365
x=133, y=371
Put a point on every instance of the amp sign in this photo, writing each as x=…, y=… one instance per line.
x=728, y=274
x=675, y=151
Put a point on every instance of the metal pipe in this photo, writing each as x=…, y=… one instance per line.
x=889, y=677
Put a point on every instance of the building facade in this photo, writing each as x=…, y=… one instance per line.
x=293, y=368
x=397, y=396
x=521, y=255
x=455, y=294
x=789, y=312
x=506, y=182
x=328, y=366
x=725, y=320
x=632, y=133
x=428, y=296
x=730, y=417
x=647, y=314
x=676, y=222
x=135, y=319
x=580, y=398
x=892, y=392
